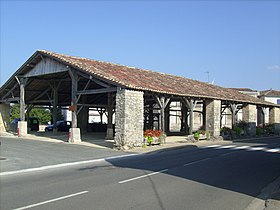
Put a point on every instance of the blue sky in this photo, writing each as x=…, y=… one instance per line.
x=237, y=42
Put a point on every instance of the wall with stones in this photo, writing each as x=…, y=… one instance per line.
x=4, y=117
x=129, y=118
x=274, y=118
x=213, y=117
x=249, y=115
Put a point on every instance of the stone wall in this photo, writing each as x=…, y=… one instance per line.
x=249, y=115
x=129, y=118
x=213, y=117
x=4, y=117
x=274, y=118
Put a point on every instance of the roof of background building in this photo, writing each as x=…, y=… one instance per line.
x=244, y=89
x=270, y=92
x=145, y=80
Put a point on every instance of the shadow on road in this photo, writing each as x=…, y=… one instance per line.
x=241, y=171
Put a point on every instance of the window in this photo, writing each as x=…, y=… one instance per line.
x=278, y=101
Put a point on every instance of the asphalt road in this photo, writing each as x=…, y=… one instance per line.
x=213, y=177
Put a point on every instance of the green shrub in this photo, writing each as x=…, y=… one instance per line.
x=196, y=135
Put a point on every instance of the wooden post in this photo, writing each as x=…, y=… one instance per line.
x=22, y=98
x=110, y=131
x=191, y=103
x=151, y=116
x=74, y=132
x=55, y=102
x=233, y=108
x=74, y=78
x=183, y=117
x=162, y=102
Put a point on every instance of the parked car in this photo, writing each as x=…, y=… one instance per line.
x=60, y=125
x=32, y=124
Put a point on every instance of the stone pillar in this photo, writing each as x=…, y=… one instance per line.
x=213, y=117
x=129, y=119
x=4, y=117
x=274, y=118
x=249, y=115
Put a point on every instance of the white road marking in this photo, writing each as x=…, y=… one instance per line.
x=198, y=161
x=273, y=150
x=212, y=146
x=52, y=200
x=143, y=176
x=241, y=147
x=256, y=148
x=227, y=146
x=63, y=165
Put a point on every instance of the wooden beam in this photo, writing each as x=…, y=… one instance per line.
x=10, y=91
x=93, y=79
x=97, y=91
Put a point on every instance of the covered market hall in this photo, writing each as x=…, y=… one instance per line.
x=132, y=99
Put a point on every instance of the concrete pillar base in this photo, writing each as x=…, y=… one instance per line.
x=22, y=128
x=74, y=135
x=110, y=134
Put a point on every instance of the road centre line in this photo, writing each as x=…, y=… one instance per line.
x=198, y=161
x=161, y=171
x=52, y=200
x=143, y=176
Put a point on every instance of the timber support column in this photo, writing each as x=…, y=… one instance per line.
x=213, y=117
x=4, y=117
x=74, y=132
x=274, y=118
x=191, y=103
x=249, y=115
x=162, y=102
x=110, y=130
x=22, y=124
x=129, y=119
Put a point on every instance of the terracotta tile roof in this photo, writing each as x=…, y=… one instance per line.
x=146, y=80
x=272, y=93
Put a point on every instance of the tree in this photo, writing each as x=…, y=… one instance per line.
x=43, y=114
x=14, y=111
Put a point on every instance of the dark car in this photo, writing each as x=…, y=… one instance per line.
x=60, y=125
x=32, y=124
